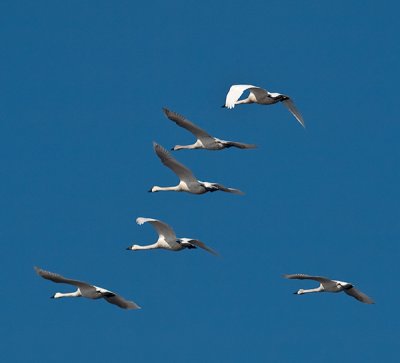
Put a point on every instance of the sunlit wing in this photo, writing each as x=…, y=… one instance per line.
x=162, y=228
x=234, y=94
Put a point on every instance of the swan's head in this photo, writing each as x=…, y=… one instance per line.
x=154, y=189
x=132, y=248
x=177, y=147
x=57, y=295
x=299, y=292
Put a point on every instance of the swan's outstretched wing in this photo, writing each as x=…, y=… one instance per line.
x=308, y=277
x=60, y=279
x=121, y=302
x=359, y=295
x=240, y=145
x=234, y=94
x=261, y=94
x=163, y=229
x=179, y=169
x=202, y=245
x=292, y=108
x=186, y=124
x=226, y=189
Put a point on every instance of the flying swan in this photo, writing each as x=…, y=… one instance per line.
x=204, y=140
x=188, y=182
x=86, y=290
x=327, y=285
x=260, y=96
x=167, y=239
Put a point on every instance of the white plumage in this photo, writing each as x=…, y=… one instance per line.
x=328, y=285
x=260, y=96
x=204, y=140
x=86, y=290
x=188, y=182
x=167, y=239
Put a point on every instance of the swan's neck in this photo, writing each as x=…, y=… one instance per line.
x=308, y=291
x=181, y=147
x=176, y=188
x=59, y=295
x=197, y=145
x=148, y=247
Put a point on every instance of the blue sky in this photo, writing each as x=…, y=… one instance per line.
x=82, y=87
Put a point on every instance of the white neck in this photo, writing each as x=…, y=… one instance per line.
x=59, y=295
x=191, y=146
x=148, y=247
x=176, y=188
x=317, y=289
x=197, y=145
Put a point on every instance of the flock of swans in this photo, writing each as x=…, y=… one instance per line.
x=167, y=238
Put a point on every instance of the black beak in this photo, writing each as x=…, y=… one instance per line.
x=295, y=293
x=223, y=106
x=52, y=297
x=128, y=248
x=150, y=190
x=172, y=149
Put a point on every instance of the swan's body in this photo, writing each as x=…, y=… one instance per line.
x=204, y=140
x=328, y=285
x=188, y=182
x=260, y=96
x=86, y=290
x=167, y=239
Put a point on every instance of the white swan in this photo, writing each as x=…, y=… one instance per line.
x=204, y=140
x=167, y=239
x=86, y=290
x=188, y=182
x=328, y=285
x=260, y=96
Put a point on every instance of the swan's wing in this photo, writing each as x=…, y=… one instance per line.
x=240, y=145
x=260, y=93
x=320, y=279
x=359, y=295
x=292, y=108
x=121, y=302
x=186, y=124
x=226, y=189
x=179, y=169
x=234, y=94
x=60, y=279
x=163, y=229
x=202, y=245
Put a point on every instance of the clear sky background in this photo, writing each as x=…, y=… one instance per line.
x=82, y=87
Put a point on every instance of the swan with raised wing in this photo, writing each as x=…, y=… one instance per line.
x=167, y=239
x=260, y=96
